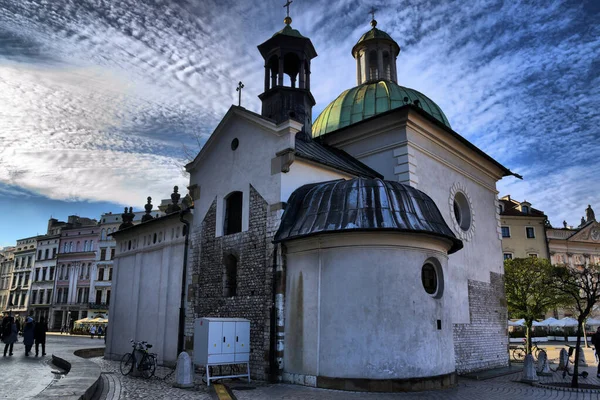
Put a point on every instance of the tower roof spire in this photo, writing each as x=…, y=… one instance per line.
x=288, y=20
x=373, y=21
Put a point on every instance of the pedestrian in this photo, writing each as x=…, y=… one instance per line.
x=39, y=334
x=28, y=334
x=63, y=329
x=9, y=335
x=100, y=332
x=18, y=324
x=596, y=343
x=92, y=331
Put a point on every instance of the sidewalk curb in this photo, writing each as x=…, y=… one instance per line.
x=79, y=383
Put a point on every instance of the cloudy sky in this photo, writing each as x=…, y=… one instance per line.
x=99, y=97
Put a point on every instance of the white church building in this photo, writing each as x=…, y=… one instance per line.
x=364, y=247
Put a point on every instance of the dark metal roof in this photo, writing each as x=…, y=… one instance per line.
x=330, y=156
x=362, y=204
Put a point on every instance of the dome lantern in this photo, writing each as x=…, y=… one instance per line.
x=375, y=54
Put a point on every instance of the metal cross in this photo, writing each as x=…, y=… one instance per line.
x=287, y=5
x=238, y=89
x=372, y=12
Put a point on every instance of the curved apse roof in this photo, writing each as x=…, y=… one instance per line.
x=362, y=204
x=369, y=99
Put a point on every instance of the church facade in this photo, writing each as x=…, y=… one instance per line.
x=365, y=248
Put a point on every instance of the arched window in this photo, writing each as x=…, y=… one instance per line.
x=233, y=213
x=373, y=72
x=103, y=234
x=387, y=66
x=291, y=67
x=230, y=276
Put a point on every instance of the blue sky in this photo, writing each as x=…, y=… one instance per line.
x=99, y=98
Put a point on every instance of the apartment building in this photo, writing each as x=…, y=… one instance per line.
x=523, y=229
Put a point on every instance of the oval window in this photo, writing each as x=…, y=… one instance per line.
x=234, y=144
x=462, y=211
x=429, y=278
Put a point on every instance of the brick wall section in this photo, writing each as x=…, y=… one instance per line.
x=483, y=343
x=253, y=299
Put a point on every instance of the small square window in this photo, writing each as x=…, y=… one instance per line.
x=507, y=256
x=530, y=232
x=505, y=232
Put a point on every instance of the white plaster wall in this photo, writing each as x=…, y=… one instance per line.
x=222, y=170
x=303, y=172
x=482, y=253
x=146, y=291
x=355, y=308
x=437, y=162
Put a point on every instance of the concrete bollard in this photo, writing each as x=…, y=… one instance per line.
x=543, y=366
x=529, y=374
x=582, y=362
x=184, y=372
x=562, y=360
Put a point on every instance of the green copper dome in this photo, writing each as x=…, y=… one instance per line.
x=289, y=31
x=375, y=34
x=369, y=99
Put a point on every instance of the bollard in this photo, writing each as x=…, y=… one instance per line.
x=562, y=361
x=582, y=362
x=529, y=374
x=184, y=372
x=543, y=366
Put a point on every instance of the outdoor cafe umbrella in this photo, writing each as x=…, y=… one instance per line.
x=521, y=322
x=592, y=321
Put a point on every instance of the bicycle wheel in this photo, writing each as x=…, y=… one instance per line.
x=536, y=352
x=126, y=365
x=148, y=366
x=519, y=354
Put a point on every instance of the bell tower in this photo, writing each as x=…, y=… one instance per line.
x=287, y=56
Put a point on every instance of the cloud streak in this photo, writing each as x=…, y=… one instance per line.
x=97, y=97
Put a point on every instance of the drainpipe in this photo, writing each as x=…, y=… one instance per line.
x=181, y=332
x=279, y=302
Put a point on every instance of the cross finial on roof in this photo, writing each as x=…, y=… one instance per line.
x=238, y=89
x=287, y=5
x=372, y=12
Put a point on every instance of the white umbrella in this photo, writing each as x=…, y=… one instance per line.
x=536, y=323
x=566, y=322
x=520, y=322
x=592, y=321
x=549, y=322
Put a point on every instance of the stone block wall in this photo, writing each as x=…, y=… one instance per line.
x=483, y=343
x=254, y=293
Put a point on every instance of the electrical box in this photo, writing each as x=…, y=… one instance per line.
x=219, y=341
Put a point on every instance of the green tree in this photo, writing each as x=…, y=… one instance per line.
x=529, y=290
x=580, y=284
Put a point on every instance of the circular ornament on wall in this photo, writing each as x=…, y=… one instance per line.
x=462, y=215
x=595, y=234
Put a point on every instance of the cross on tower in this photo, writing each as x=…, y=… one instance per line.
x=372, y=12
x=287, y=5
x=238, y=89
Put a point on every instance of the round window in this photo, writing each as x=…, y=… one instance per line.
x=462, y=211
x=234, y=144
x=429, y=278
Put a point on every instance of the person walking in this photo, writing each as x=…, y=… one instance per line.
x=18, y=324
x=100, y=332
x=596, y=343
x=39, y=334
x=28, y=334
x=92, y=331
x=9, y=335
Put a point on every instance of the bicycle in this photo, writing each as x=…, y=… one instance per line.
x=146, y=366
x=519, y=352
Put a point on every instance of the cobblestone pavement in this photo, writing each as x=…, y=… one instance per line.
x=505, y=387
x=24, y=377
x=117, y=386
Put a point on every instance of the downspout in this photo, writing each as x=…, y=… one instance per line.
x=279, y=320
x=181, y=331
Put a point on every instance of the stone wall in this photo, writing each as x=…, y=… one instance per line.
x=253, y=299
x=483, y=343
